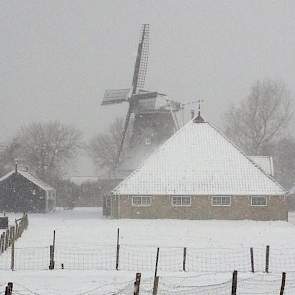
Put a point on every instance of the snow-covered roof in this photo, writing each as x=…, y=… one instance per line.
x=199, y=160
x=31, y=178
x=265, y=163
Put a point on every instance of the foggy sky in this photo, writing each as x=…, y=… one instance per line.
x=57, y=57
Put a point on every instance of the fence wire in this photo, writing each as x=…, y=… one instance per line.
x=262, y=284
x=35, y=258
x=143, y=258
x=99, y=258
x=256, y=284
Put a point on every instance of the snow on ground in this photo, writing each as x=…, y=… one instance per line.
x=87, y=228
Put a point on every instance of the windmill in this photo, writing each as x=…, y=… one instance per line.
x=152, y=110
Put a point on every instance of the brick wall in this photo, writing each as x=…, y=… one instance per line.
x=201, y=209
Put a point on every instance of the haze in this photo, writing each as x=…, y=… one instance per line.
x=57, y=57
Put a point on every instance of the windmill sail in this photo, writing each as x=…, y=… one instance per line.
x=141, y=62
x=138, y=80
x=112, y=96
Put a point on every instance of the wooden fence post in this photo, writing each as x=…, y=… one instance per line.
x=8, y=289
x=51, y=255
x=283, y=283
x=118, y=249
x=19, y=229
x=156, y=285
x=137, y=284
x=52, y=252
x=184, y=259
x=12, y=256
x=7, y=233
x=267, y=259
x=252, y=260
x=13, y=233
x=16, y=230
x=157, y=261
x=234, y=283
x=9, y=238
x=53, y=242
x=26, y=221
x=10, y=285
x=1, y=244
x=6, y=239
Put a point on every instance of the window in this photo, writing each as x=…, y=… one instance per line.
x=258, y=201
x=221, y=201
x=181, y=201
x=141, y=201
x=148, y=140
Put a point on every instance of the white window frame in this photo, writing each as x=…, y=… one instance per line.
x=181, y=201
x=221, y=205
x=147, y=204
x=148, y=140
x=257, y=205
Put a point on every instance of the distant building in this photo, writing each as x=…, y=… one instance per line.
x=91, y=190
x=2, y=147
x=20, y=191
x=264, y=162
x=291, y=199
x=199, y=174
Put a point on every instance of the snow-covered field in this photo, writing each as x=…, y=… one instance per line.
x=87, y=227
x=85, y=230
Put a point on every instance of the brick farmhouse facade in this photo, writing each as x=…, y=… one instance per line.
x=199, y=174
x=201, y=207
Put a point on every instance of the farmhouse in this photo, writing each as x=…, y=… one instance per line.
x=199, y=174
x=20, y=191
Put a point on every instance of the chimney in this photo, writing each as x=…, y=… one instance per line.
x=16, y=163
x=192, y=114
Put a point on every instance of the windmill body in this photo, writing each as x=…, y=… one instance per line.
x=151, y=118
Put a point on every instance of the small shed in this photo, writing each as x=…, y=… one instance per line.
x=21, y=191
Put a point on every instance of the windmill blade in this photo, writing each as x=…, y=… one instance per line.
x=112, y=96
x=141, y=62
x=124, y=134
x=145, y=95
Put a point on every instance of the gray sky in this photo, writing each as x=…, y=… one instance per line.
x=57, y=57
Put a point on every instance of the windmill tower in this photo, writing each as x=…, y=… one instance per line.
x=151, y=114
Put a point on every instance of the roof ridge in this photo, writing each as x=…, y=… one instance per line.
x=25, y=174
x=6, y=175
x=36, y=178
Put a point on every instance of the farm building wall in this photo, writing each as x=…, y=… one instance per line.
x=17, y=194
x=201, y=208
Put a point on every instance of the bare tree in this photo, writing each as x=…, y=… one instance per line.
x=104, y=147
x=7, y=157
x=261, y=118
x=46, y=148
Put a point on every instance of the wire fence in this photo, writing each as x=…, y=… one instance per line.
x=13, y=233
x=142, y=258
x=256, y=284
